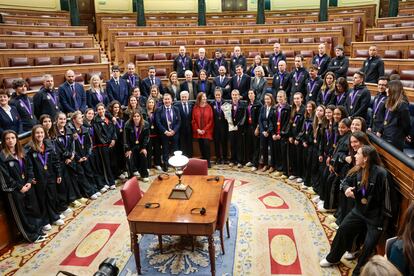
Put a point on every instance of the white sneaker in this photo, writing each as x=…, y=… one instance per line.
x=158, y=167
x=59, y=222
x=320, y=203
x=67, y=211
x=302, y=185
x=40, y=239
x=145, y=179
x=335, y=226
x=113, y=187
x=292, y=177
x=299, y=180
x=62, y=216
x=93, y=197
x=103, y=190
x=325, y=263
x=239, y=166
x=121, y=176
x=76, y=204
x=316, y=199
x=136, y=173
x=350, y=255
x=253, y=169
x=83, y=200
x=231, y=164
x=98, y=194
x=249, y=164
x=47, y=227
x=106, y=187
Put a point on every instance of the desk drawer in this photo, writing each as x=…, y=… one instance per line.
x=200, y=229
x=160, y=228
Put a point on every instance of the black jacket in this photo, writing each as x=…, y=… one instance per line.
x=273, y=62
x=312, y=89
x=201, y=64
x=46, y=101
x=266, y=124
x=181, y=64
x=252, y=116
x=284, y=120
x=296, y=123
x=322, y=63
x=377, y=118
x=357, y=102
x=215, y=65
x=25, y=108
x=235, y=61
x=130, y=136
x=104, y=132
x=281, y=82
x=339, y=66
x=297, y=82
x=373, y=67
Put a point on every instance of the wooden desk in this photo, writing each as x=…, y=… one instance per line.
x=174, y=217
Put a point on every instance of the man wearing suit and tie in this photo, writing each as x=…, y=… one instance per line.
x=186, y=133
x=182, y=62
x=168, y=121
x=237, y=59
x=241, y=82
x=46, y=101
x=223, y=82
x=117, y=88
x=189, y=85
x=149, y=81
x=217, y=62
x=131, y=77
x=72, y=96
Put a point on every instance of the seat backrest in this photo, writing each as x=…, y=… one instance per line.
x=41, y=45
x=293, y=40
x=307, y=53
x=42, y=61
x=160, y=56
x=255, y=41
x=224, y=205
x=67, y=60
x=87, y=59
x=161, y=72
x=19, y=61
x=196, y=166
x=392, y=54
x=141, y=57
x=53, y=33
x=234, y=41
x=77, y=45
x=253, y=54
x=411, y=54
x=38, y=33
x=217, y=32
x=149, y=43
x=132, y=44
x=131, y=194
x=380, y=38
x=17, y=33
x=289, y=53
x=165, y=43
x=361, y=53
x=181, y=42
x=308, y=40
x=34, y=82
x=20, y=45
x=398, y=37
x=199, y=42
x=407, y=74
x=263, y=31
x=69, y=33
x=273, y=40
x=326, y=39
x=219, y=41
x=58, y=45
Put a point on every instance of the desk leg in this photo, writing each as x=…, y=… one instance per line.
x=212, y=253
x=134, y=241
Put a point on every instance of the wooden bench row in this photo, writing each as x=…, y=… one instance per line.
x=402, y=21
x=50, y=30
x=386, y=49
x=37, y=57
x=7, y=41
x=35, y=13
x=36, y=20
x=406, y=11
x=384, y=34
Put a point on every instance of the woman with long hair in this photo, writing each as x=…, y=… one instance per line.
x=137, y=136
x=9, y=116
x=142, y=100
x=46, y=121
x=204, y=85
x=266, y=117
x=396, y=126
x=251, y=71
x=203, y=125
x=18, y=188
x=341, y=92
x=358, y=124
x=327, y=92
x=252, y=131
x=154, y=146
x=173, y=86
x=401, y=252
x=118, y=163
x=96, y=94
x=238, y=115
x=367, y=184
x=295, y=147
x=156, y=95
x=259, y=83
x=133, y=105
x=43, y=168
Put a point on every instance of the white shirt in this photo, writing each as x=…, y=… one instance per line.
x=7, y=109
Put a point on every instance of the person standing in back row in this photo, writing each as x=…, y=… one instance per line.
x=182, y=62
x=339, y=64
x=373, y=66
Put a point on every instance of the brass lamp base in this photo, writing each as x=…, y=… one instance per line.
x=183, y=192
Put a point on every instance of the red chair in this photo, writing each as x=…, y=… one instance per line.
x=196, y=166
x=223, y=212
x=131, y=195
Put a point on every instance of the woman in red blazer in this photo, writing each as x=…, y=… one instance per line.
x=203, y=124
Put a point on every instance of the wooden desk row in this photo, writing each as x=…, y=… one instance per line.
x=405, y=46
x=34, y=13
x=87, y=40
x=406, y=11
x=6, y=55
x=78, y=30
x=408, y=31
x=394, y=20
x=36, y=20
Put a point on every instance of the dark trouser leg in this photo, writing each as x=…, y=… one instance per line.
x=233, y=145
x=225, y=142
x=264, y=150
x=156, y=146
x=285, y=159
x=204, y=148
x=308, y=165
x=292, y=159
x=165, y=149
x=140, y=161
x=256, y=151
x=299, y=160
x=51, y=204
x=249, y=148
x=105, y=157
x=371, y=240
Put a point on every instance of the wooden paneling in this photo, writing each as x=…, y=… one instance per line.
x=403, y=45
x=369, y=33
x=58, y=21
x=8, y=28
x=9, y=40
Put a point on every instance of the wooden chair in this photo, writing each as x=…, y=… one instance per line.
x=223, y=213
x=196, y=167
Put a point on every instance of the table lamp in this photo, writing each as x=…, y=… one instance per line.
x=179, y=162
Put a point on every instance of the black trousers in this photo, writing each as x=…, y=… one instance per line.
x=310, y=164
x=140, y=162
x=352, y=225
x=266, y=150
x=252, y=148
x=68, y=189
x=93, y=171
x=280, y=156
x=169, y=145
x=47, y=199
x=236, y=146
x=204, y=145
x=154, y=150
x=221, y=134
x=296, y=159
x=104, y=156
x=186, y=143
x=85, y=179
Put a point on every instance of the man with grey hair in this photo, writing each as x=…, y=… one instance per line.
x=186, y=133
x=72, y=96
x=189, y=85
x=182, y=62
x=321, y=60
x=275, y=58
x=201, y=62
x=46, y=101
x=237, y=59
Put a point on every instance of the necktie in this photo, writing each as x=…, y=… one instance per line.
x=169, y=117
x=152, y=81
x=221, y=80
x=72, y=87
x=238, y=81
x=186, y=108
x=116, y=82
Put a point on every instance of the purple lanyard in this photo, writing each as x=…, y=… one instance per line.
x=65, y=140
x=276, y=58
x=99, y=95
x=279, y=112
x=132, y=80
x=137, y=133
x=201, y=63
x=218, y=108
x=169, y=116
x=353, y=96
x=340, y=98
x=281, y=77
x=81, y=139
x=296, y=118
x=43, y=158
x=182, y=61
x=307, y=126
x=53, y=98
x=120, y=124
x=234, y=109
x=203, y=86
x=218, y=62
x=387, y=114
x=297, y=77
x=311, y=86
x=91, y=132
x=328, y=135
x=377, y=104
x=21, y=165
x=325, y=96
x=335, y=138
x=363, y=191
x=27, y=106
x=249, y=110
x=151, y=118
x=319, y=61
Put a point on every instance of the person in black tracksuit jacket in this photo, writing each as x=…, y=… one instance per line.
x=321, y=60
x=396, y=125
x=221, y=128
x=236, y=135
x=339, y=64
x=104, y=140
x=298, y=79
x=327, y=91
x=313, y=85
x=119, y=118
x=252, y=150
x=295, y=147
x=359, y=98
x=341, y=92
x=182, y=62
x=373, y=66
x=281, y=79
x=136, y=135
x=266, y=118
x=280, y=134
x=367, y=183
x=154, y=146
x=377, y=119
x=309, y=156
x=23, y=104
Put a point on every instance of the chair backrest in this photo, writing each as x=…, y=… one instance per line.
x=131, y=194
x=196, y=166
x=224, y=206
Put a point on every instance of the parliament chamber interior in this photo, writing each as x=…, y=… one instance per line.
x=223, y=137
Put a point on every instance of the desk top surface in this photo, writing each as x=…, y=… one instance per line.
x=206, y=193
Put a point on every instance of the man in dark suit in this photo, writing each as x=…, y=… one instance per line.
x=189, y=85
x=186, y=133
x=281, y=79
x=131, y=77
x=217, y=62
x=321, y=60
x=168, y=121
x=237, y=59
x=241, y=82
x=117, y=88
x=224, y=82
x=275, y=58
x=202, y=63
x=373, y=66
x=150, y=81
x=46, y=101
x=182, y=62
x=72, y=96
